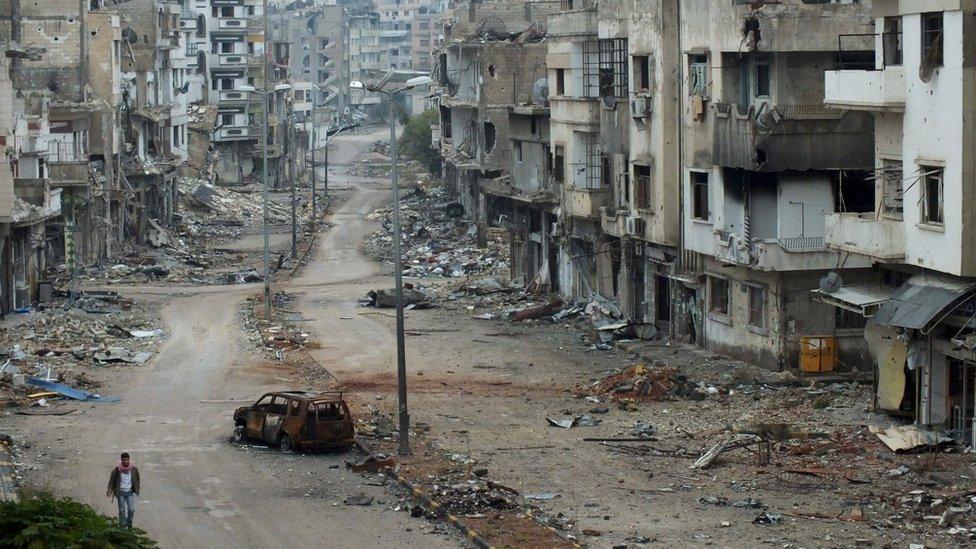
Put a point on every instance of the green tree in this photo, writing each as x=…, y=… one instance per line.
x=414, y=142
x=42, y=521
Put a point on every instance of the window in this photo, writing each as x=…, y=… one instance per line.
x=518, y=151
x=932, y=39
x=891, y=40
x=757, y=306
x=698, y=75
x=718, y=295
x=227, y=120
x=606, y=171
x=593, y=166
x=558, y=161
x=642, y=186
x=642, y=72
x=892, y=189
x=227, y=11
x=699, y=196
x=932, y=194
x=423, y=25
x=560, y=81
x=604, y=68
x=762, y=77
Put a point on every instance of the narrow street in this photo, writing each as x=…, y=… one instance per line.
x=199, y=490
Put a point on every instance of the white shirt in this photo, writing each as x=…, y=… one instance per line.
x=125, y=482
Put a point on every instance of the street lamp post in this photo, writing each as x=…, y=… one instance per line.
x=264, y=191
x=404, y=426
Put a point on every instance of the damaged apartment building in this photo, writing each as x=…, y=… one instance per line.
x=917, y=229
x=760, y=179
x=494, y=117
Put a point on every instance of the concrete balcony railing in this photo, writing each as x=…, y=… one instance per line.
x=232, y=23
x=866, y=235
x=582, y=111
x=781, y=254
x=573, y=23
x=233, y=133
x=232, y=96
x=791, y=137
x=866, y=90
x=586, y=203
x=232, y=60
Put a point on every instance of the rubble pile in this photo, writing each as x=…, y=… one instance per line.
x=467, y=497
x=435, y=244
x=62, y=340
x=641, y=383
x=215, y=212
x=376, y=161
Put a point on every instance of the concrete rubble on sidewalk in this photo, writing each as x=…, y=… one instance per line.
x=70, y=339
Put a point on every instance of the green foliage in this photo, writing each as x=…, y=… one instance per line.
x=42, y=521
x=414, y=143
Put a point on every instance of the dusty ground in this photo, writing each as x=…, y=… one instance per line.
x=478, y=389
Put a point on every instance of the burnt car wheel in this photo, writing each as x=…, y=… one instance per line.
x=285, y=444
x=238, y=433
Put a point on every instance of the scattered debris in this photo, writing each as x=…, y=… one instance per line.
x=906, y=438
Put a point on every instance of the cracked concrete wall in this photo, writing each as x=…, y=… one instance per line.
x=56, y=26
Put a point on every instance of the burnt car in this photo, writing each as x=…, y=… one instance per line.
x=297, y=420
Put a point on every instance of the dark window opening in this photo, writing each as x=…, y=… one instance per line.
x=718, y=295
x=560, y=81
x=932, y=200
x=558, y=162
x=489, y=137
x=848, y=320
x=642, y=72
x=642, y=186
x=699, y=196
x=762, y=78
x=932, y=39
x=891, y=41
x=854, y=192
x=606, y=171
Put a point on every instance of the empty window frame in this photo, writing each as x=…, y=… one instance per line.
x=699, y=196
x=560, y=81
x=718, y=295
x=931, y=179
x=606, y=171
x=891, y=41
x=642, y=186
x=605, y=68
x=558, y=163
x=518, y=151
x=698, y=75
x=642, y=72
x=932, y=39
x=892, y=189
x=762, y=77
x=757, y=306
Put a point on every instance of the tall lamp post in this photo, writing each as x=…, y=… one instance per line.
x=404, y=428
x=264, y=183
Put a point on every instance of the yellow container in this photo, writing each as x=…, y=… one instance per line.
x=818, y=353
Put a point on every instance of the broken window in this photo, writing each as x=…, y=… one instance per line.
x=699, y=196
x=606, y=171
x=891, y=41
x=642, y=186
x=932, y=39
x=698, y=75
x=932, y=187
x=762, y=77
x=560, y=81
x=892, y=189
x=558, y=163
x=642, y=72
x=604, y=68
x=489, y=137
x=757, y=306
x=718, y=295
x=518, y=151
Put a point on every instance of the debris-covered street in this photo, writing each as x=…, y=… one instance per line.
x=545, y=431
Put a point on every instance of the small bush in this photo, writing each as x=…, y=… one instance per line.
x=43, y=521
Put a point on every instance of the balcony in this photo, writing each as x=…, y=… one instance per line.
x=232, y=96
x=792, y=137
x=586, y=203
x=865, y=234
x=233, y=133
x=235, y=60
x=232, y=23
x=882, y=90
x=573, y=23
x=502, y=186
x=188, y=22
x=781, y=254
x=255, y=23
x=577, y=111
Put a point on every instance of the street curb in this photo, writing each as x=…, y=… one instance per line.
x=430, y=505
x=8, y=484
x=528, y=513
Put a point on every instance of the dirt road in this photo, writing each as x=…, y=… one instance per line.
x=199, y=490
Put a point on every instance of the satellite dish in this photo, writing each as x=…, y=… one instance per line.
x=492, y=26
x=130, y=35
x=831, y=283
x=540, y=91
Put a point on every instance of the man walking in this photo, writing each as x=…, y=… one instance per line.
x=124, y=486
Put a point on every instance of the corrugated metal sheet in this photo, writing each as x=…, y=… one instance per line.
x=920, y=302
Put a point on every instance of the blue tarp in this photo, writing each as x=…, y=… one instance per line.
x=70, y=392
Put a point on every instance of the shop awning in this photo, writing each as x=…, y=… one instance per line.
x=923, y=301
x=864, y=299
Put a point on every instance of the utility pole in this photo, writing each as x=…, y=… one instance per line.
x=294, y=183
x=264, y=170
x=404, y=427
x=315, y=210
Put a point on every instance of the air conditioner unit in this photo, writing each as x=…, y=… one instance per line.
x=635, y=226
x=640, y=106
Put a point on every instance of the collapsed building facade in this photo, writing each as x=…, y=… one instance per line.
x=772, y=193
